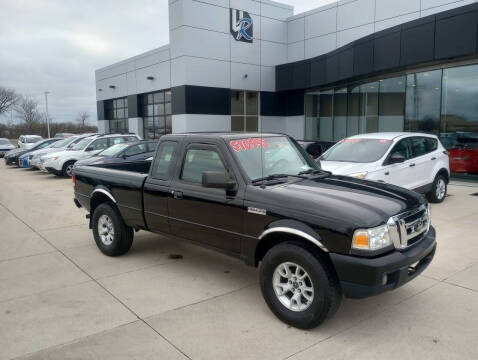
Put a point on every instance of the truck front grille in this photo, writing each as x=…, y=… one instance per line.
x=409, y=228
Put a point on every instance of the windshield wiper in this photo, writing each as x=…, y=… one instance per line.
x=315, y=171
x=276, y=176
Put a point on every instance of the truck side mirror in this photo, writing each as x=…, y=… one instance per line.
x=217, y=180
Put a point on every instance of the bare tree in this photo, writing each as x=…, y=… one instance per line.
x=27, y=111
x=82, y=118
x=8, y=98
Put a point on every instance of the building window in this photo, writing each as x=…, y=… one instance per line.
x=157, y=114
x=391, y=104
x=117, y=114
x=244, y=110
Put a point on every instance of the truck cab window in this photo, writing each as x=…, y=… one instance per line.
x=197, y=161
x=162, y=168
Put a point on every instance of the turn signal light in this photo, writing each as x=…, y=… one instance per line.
x=361, y=240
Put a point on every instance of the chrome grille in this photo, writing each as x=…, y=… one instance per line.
x=409, y=228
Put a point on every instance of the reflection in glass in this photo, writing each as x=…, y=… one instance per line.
x=423, y=102
x=340, y=114
x=326, y=100
x=369, y=107
x=391, y=104
x=311, y=116
x=353, y=111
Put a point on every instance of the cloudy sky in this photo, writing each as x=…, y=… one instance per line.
x=55, y=45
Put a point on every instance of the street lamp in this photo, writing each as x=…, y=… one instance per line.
x=47, y=116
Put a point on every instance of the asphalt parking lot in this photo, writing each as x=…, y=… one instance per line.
x=60, y=298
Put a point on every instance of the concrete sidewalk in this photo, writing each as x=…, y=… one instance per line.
x=60, y=298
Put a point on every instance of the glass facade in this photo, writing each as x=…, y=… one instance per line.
x=157, y=118
x=443, y=102
x=244, y=110
x=116, y=111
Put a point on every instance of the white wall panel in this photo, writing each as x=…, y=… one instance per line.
x=152, y=58
x=276, y=12
x=251, y=6
x=295, y=30
x=206, y=72
x=356, y=13
x=273, y=53
x=202, y=43
x=321, y=23
x=238, y=79
x=320, y=45
x=391, y=8
x=385, y=24
x=275, y=124
x=161, y=74
x=268, y=78
x=438, y=9
x=346, y=36
x=131, y=82
x=245, y=52
x=273, y=30
x=194, y=122
x=176, y=16
x=295, y=51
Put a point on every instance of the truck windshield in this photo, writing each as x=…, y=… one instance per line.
x=357, y=150
x=263, y=157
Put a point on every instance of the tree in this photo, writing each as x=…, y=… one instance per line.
x=8, y=98
x=27, y=111
x=82, y=118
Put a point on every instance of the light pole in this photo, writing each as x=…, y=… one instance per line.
x=47, y=116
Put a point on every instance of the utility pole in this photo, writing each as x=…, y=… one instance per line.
x=47, y=116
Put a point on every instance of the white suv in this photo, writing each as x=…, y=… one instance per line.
x=412, y=160
x=61, y=163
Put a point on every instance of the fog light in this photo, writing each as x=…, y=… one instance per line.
x=384, y=279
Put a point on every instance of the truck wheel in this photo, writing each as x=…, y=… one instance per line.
x=112, y=236
x=439, y=188
x=67, y=170
x=299, y=287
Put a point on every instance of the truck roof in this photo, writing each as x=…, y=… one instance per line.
x=226, y=135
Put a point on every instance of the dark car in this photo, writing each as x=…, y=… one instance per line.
x=11, y=157
x=123, y=152
x=315, y=148
x=261, y=199
x=5, y=146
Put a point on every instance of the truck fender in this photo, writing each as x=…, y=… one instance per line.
x=98, y=196
x=291, y=227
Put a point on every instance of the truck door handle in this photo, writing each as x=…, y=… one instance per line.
x=434, y=158
x=412, y=164
x=387, y=173
x=177, y=194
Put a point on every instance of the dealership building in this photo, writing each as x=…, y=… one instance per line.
x=350, y=67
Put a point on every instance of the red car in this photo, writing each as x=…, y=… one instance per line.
x=464, y=156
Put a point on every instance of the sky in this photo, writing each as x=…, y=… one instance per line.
x=56, y=45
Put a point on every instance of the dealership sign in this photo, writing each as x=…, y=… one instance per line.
x=242, y=27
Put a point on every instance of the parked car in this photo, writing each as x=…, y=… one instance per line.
x=63, y=135
x=61, y=163
x=412, y=160
x=5, y=146
x=36, y=157
x=316, y=235
x=463, y=149
x=28, y=141
x=11, y=157
x=122, y=152
x=315, y=148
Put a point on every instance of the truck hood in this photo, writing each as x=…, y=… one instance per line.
x=346, y=202
x=345, y=168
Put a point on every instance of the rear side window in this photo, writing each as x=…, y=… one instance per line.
x=135, y=150
x=99, y=144
x=431, y=144
x=152, y=146
x=419, y=146
x=162, y=167
x=197, y=161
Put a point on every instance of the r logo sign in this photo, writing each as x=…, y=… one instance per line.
x=241, y=25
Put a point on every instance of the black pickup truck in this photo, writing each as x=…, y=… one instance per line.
x=261, y=198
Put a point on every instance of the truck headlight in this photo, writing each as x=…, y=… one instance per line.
x=372, y=239
x=360, y=175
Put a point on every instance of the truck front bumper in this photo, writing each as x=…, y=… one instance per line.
x=362, y=277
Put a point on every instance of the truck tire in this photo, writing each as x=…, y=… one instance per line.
x=68, y=168
x=112, y=236
x=439, y=189
x=299, y=285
